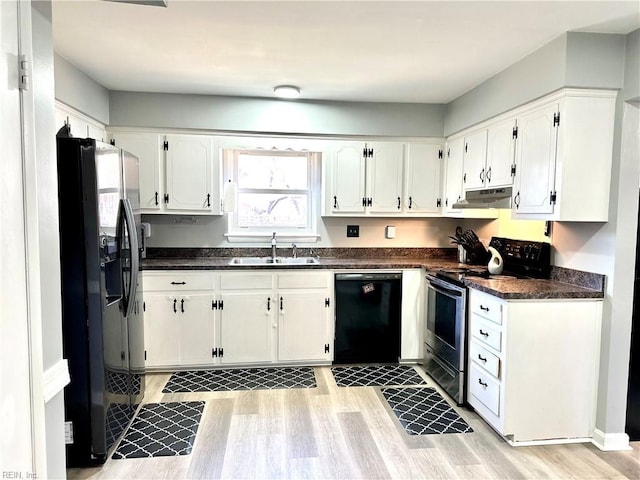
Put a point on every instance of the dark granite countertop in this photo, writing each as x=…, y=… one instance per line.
x=531, y=289
x=513, y=288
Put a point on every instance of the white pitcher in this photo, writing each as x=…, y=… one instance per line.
x=495, y=262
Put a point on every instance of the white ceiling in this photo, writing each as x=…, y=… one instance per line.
x=418, y=52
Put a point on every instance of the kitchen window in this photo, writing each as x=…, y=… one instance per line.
x=277, y=191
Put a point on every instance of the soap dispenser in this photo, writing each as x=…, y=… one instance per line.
x=495, y=262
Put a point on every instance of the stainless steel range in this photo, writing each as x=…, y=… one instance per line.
x=446, y=315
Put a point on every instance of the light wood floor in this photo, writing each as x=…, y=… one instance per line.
x=348, y=433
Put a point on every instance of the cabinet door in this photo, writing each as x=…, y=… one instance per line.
x=422, y=191
x=348, y=178
x=385, y=177
x=535, y=161
x=148, y=148
x=500, y=154
x=475, y=156
x=304, y=326
x=96, y=132
x=189, y=174
x=161, y=330
x=196, y=329
x=246, y=327
x=453, y=185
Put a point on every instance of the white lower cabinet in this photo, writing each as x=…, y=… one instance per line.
x=533, y=366
x=203, y=319
x=178, y=318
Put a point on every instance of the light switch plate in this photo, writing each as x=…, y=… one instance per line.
x=353, y=230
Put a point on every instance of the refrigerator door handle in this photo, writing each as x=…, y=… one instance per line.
x=134, y=253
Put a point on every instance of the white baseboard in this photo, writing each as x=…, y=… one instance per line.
x=55, y=379
x=610, y=441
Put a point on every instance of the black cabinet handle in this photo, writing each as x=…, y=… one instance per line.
x=208, y=199
x=481, y=358
x=175, y=310
x=369, y=201
x=489, y=175
x=482, y=307
x=156, y=198
x=364, y=202
x=182, y=305
x=166, y=198
x=482, y=383
x=281, y=304
x=484, y=334
x=516, y=200
x=398, y=203
x=178, y=283
x=268, y=304
x=410, y=202
x=482, y=175
x=335, y=201
x=464, y=178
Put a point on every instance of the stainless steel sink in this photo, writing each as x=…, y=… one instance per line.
x=279, y=261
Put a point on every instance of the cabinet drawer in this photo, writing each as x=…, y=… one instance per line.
x=304, y=280
x=246, y=281
x=178, y=281
x=484, y=358
x=486, y=332
x=485, y=388
x=486, y=306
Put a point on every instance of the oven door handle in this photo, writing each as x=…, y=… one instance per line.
x=445, y=291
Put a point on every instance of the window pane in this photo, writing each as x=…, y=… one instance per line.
x=259, y=171
x=269, y=210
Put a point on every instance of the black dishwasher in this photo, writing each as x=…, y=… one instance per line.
x=368, y=308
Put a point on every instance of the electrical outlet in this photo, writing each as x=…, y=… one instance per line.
x=353, y=230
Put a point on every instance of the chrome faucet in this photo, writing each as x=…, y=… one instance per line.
x=273, y=247
x=294, y=250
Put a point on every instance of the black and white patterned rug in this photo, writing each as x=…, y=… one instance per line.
x=241, y=379
x=161, y=430
x=376, y=376
x=423, y=411
x=122, y=383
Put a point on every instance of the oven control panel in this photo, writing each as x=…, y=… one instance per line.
x=525, y=255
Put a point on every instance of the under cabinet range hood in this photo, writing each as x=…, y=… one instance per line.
x=487, y=198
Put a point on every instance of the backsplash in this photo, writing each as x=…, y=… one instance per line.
x=435, y=252
x=595, y=281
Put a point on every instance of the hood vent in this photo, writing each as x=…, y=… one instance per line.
x=488, y=198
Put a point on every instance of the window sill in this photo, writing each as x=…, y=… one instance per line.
x=266, y=238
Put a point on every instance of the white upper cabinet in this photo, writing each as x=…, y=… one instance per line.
x=190, y=174
x=347, y=186
x=384, y=173
x=148, y=148
x=453, y=176
x=489, y=156
x=535, y=160
x=365, y=178
x=474, y=160
x=179, y=174
x=564, y=156
x=501, y=144
x=80, y=125
x=383, y=179
x=422, y=178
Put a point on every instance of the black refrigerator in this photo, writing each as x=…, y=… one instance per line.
x=99, y=210
x=633, y=393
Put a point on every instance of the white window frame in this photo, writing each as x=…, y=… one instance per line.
x=308, y=233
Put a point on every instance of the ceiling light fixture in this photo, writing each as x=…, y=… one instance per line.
x=286, y=91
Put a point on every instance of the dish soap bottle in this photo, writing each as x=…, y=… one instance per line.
x=495, y=262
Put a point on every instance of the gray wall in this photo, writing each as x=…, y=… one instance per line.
x=572, y=60
x=78, y=90
x=133, y=109
x=631, y=90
